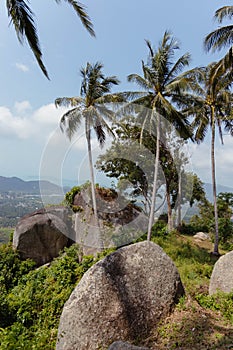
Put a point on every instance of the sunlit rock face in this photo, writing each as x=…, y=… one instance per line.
x=122, y=297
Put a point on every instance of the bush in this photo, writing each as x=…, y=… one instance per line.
x=33, y=299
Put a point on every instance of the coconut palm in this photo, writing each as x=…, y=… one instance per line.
x=23, y=21
x=161, y=81
x=211, y=106
x=90, y=107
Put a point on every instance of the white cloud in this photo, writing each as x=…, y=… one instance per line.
x=23, y=122
x=22, y=67
x=22, y=107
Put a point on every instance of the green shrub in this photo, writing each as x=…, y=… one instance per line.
x=222, y=302
x=32, y=303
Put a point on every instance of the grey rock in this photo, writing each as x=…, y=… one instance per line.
x=201, y=236
x=41, y=235
x=120, y=345
x=222, y=275
x=122, y=297
x=120, y=222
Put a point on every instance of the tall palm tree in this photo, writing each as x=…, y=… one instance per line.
x=90, y=106
x=162, y=81
x=222, y=37
x=23, y=21
x=211, y=106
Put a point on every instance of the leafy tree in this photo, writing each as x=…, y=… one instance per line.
x=211, y=106
x=22, y=18
x=91, y=107
x=162, y=82
x=205, y=221
x=130, y=160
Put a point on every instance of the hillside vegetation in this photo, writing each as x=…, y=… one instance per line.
x=32, y=299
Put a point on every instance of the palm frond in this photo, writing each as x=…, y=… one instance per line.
x=140, y=81
x=22, y=18
x=70, y=121
x=68, y=101
x=224, y=13
x=177, y=68
x=219, y=39
x=82, y=14
x=228, y=125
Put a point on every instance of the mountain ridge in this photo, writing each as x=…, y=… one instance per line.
x=15, y=184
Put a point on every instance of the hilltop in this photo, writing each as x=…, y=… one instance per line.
x=15, y=184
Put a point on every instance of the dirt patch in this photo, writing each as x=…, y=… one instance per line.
x=192, y=327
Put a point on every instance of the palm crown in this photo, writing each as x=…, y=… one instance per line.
x=162, y=82
x=90, y=105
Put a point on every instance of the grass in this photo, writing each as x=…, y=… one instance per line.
x=199, y=321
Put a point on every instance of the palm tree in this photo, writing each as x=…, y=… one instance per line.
x=211, y=106
x=222, y=37
x=161, y=81
x=90, y=106
x=23, y=21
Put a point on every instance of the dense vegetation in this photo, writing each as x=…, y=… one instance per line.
x=32, y=298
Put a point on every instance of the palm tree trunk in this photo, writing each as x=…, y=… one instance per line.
x=94, y=203
x=169, y=210
x=179, y=200
x=156, y=168
x=216, y=239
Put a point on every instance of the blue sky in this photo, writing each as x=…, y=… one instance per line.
x=30, y=141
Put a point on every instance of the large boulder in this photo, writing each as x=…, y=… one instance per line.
x=122, y=297
x=120, y=345
x=120, y=221
x=41, y=235
x=222, y=275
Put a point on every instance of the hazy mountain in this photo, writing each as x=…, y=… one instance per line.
x=16, y=184
x=220, y=188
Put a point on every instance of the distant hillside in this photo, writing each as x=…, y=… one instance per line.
x=220, y=188
x=15, y=184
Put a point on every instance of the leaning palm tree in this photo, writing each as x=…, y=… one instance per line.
x=211, y=106
x=222, y=37
x=161, y=81
x=23, y=21
x=90, y=107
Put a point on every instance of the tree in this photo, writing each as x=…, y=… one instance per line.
x=211, y=106
x=131, y=162
x=162, y=82
x=90, y=106
x=22, y=18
